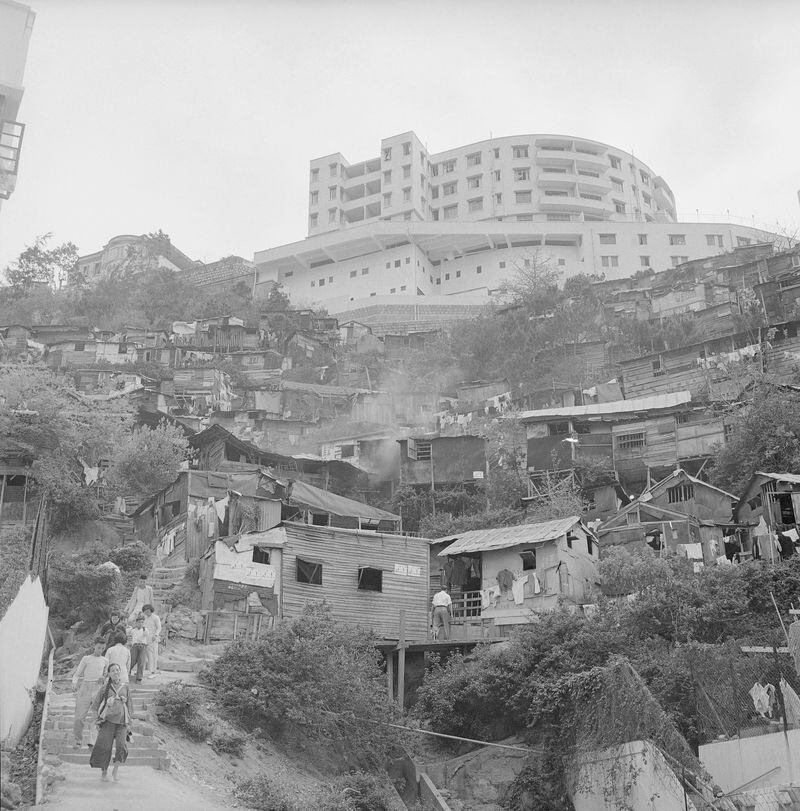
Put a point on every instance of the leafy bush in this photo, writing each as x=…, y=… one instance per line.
x=228, y=741
x=177, y=702
x=313, y=678
x=134, y=557
x=197, y=727
x=356, y=792
x=264, y=794
x=79, y=590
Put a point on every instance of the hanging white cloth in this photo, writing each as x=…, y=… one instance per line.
x=518, y=589
x=791, y=701
x=489, y=597
x=220, y=506
x=537, y=589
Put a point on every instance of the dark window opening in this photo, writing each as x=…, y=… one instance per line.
x=320, y=519
x=681, y=492
x=348, y=451
x=571, y=535
x=260, y=555
x=308, y=572
x=423, y=451
x=80, y=346
x=558, y=428
x=589, y=546
x=370, y=579
x=528, y=559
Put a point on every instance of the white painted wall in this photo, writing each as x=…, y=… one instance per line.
x=633, y=775
x=22, y=637
x=735, y=762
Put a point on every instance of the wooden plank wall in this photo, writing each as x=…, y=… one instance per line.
x=341, y=553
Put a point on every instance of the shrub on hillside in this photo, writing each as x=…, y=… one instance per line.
x=177, y=702
x=134, y=557
x=79, y=589
x=228, y=741
x=263, y=793
x=313, y=678
x=356, y=792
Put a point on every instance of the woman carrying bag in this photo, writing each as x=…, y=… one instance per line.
x=114, y=713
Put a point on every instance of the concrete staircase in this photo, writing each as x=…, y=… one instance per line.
x=59, y=743
x=164, y=580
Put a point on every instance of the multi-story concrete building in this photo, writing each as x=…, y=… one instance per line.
x=16, y=24
x=413, y=223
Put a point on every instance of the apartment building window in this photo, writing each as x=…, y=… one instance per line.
x=387, y=200
x=330, y=279
x=449, y=188
x=387, y=176
x=474, y=182
x=616, y=163
x=331, y=215
x=497, y=152
x=322, y=282
x=498, y=199
x=496, y=175
x=681, y=492
x=658, y=368
x=450, y=212
x=407, y=171
x=314, y=198
x=643, y=239
x=714, y=240
x=364, y=271
x=558, y=218
x=397, y=263
x=353, y=274
x=476, y=204
x=562, y=263
x=608, y=239
x=458, y=274
x=407, y=148
x=586, y=173
x=315, y=175
x=553, y=170
x=678, y=260
x=448, y=167
x=435, y=192
x=742, y=241
x=435, y=214
x=334, y=169
x=502, y=265
x=524, y=217
x=288, y=274
x=406, y=195
x=474, y=159
x=617, y=184
x=647, y=199
x=519, y=152
x=609, y=261
x=313, y=283
x=447, y=277
x=522, y=197
x=645, y=178
x=630, y=442
x=388, y=265
x=408, y=260
x=522, y=174
x=479, y=269
x=402, y=288
x=332, y=192
x=645, y=261
x=387, y=153
x=313, y=220
x=591, y=197
x=393, y=290
x=438, y=280
x=554, y=193
x=619, y=207
x=434, y=169
x=677, y=239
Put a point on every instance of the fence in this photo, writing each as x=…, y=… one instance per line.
x=230, y=625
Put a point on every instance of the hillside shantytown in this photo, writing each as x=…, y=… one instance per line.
x=484, y=495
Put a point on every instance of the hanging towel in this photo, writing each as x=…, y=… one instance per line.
x=536, y=586
x=517, y=589
x=489, y=597
x=505, y=578
x=220, y=507
x=760, y=696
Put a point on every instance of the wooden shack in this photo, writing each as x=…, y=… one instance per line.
x=432, y=460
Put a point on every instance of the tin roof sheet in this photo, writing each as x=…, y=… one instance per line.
x=484, y=540
x=612, y=409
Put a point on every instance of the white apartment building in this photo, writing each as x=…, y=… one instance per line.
x=455, y=223
x=16, y=25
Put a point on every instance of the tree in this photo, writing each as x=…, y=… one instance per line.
x=60, y=433
x=148, y=459
x=532, y=284
x=765, y=436
x=39, y=264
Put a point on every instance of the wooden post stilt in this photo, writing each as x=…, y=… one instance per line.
x=390, y=673
x=401, y=660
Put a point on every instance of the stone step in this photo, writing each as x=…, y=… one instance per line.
x=158, y=760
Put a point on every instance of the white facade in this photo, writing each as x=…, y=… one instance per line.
x=16, y=24
x=456, y=223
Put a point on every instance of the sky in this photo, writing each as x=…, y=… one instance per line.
x=200, y=117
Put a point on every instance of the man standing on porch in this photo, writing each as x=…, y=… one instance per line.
x=442, y=610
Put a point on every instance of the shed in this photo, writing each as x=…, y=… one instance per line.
x=524, y=568
x=770, y=502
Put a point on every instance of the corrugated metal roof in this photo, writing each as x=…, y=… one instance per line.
x=483, y=540
x=794, y=478
x=616, y=408
x=677, y=473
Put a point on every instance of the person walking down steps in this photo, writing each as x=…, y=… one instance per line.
x=88, y=676
x=114, y=713
x=152, y=624
x=142, y=596
x=140, y=639
x=118, y=654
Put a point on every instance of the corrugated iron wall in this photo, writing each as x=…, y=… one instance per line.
x=341, y=554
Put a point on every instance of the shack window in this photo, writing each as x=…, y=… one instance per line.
x=528, y=559
x=627, y=442
x=308, y=572
x=658, y=367
x=80, y=346
x=681, y=492
x=260, y=555
x=589, y=546
x=320, y=519
x=423, y=451
x=348, y=451
x=370, y=579
x=557, y=428
x=571, y=536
